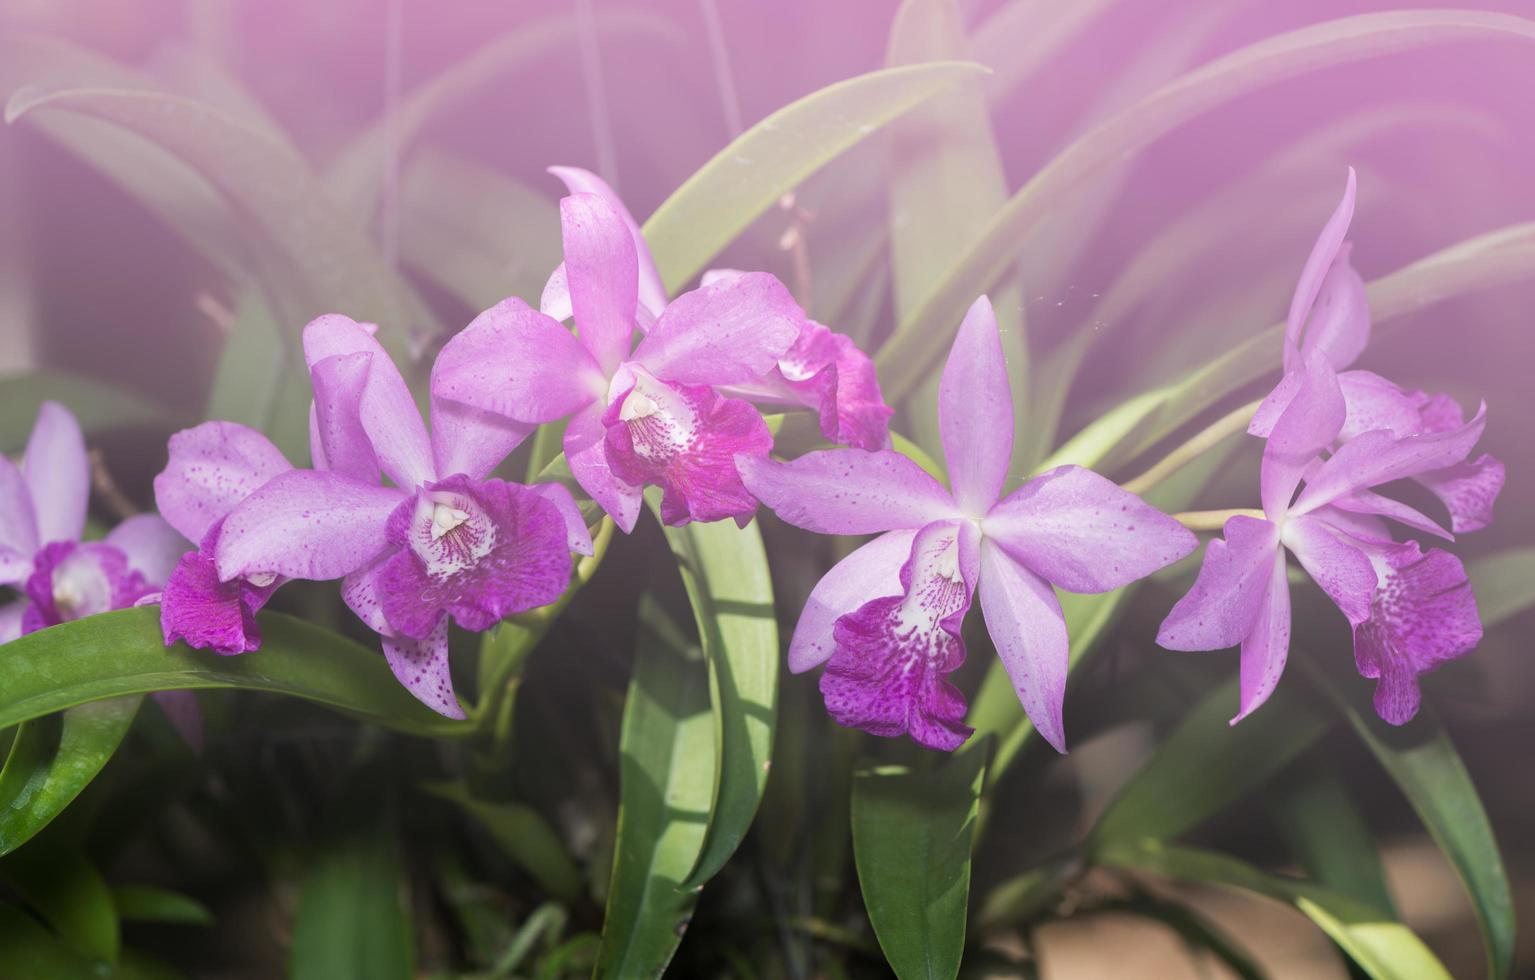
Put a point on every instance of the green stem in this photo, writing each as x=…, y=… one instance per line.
x=1202, y=442
x=1214, y=520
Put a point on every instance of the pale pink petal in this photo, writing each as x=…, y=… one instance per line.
x=10, y=620
x=1309, y=424
x=212, y=468
x=516, y=362
x=554, y=302
x=1377, y=457
x=1220, y=608
x=1371, y=503
x=58, y=474
x=151, y=545
x=848, y=491
x=388, y=411
x=586, y=452
x=1468, y=491
x=1079, y=531
x=18, y=526
x=359, y=590
x=337, y=435
x=869, y=572
x=1375, y=403
x=306, y=524
x=423, y=668
x=1315, y=271
x=1336, y=565
x=181, y=710
x=602, y=270
x=1274, y=404
x=1340, y=320
x=730, y=331
x=975, y=412
x=1028, y=628
x=652, y=291
x=578, y=536
x=1267, y=646
x=472, y=441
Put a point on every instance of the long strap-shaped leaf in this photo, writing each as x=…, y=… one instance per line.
x=724, y=569
x=666, y=790
x=53, y=759
x=1383, y=948
x=921, y=339
x=122, y=652
x=912, y=831
x=757, y=168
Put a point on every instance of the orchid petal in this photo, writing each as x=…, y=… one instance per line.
x=11, y=615
x=338, y=436
x=578, y=536
x=1315, y=270
x=1083, y=533
x=1266, y=648
x=18, y=526
x=1377, y=457
x=1375, y=403
x=388, y=412
x=516, y=362
x=1340, y=318
x=212, y=467
x=554, y=301
x=1274, y=404
x=1219, y=610
x=181, y=710
x=1372, y=503
x=422, y=667
x=58, y=474
x=601, y=267
x=151, y=545
x=848, y=491
x=306, y=524
x=1028, y=628
x=730, y=331
x=1424, y=615
x=1338, y=567
x=208, y=614
x=869, y=572
x=1467, y=490
x=586, y=453
x=359, y=590
x=975, y=412
x=1309, y=424
x=652, y=290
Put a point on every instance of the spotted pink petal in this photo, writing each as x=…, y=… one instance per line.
x=1308, y=425
x=848, y=491
x=1267, y=646
x=212, y=468
x=422, y=667
x=730, y=331
x=1220, y=609
x=1323, y=252
x=586, y=452
x=1336, y=565
x=1077, y=530
x=1467, y=490
x=58, y=474
x=1376, y=403
x=337, y=435
x=18, y=528
x=888, y=673
x=209, y=614
x=1339, y=328
x=870, y=571
x=306, y=524
x=1028, y=628
x=652, y=291
x=975, y=412
x=602, y=270
x=1371, y=503
x=578, y=535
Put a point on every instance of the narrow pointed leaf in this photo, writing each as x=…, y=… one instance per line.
x=146, y=903
x=352, y=922
x=122, y=652
x=1328, y=835
x=749, y=176
x=55, y=878
x=912, y=834
x=524, y=836
x=53, y=759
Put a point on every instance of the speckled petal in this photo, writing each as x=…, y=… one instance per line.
x=422, y=666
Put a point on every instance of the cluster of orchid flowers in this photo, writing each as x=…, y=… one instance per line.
x=419, y=532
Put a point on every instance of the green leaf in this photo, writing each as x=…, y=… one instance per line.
x=922, y=338
x=34, y=953
x=946, y=183
x=480, y=235
x=523, y=836
x=146, y=903
x=666, y=793
x=59, y=883
x=725, y=572
x=1328, y=835
x=53, y=759
x=1423, y=762
x=1021, y=37
x=251, y=366
x=1504, y=584
x=122, y=652
x=1383, y=948
x=97, y=404
x=352, y=920
x=357, y=178
x=911, y=843
x=758, y=167
x=311, y=256
x=1207, y=763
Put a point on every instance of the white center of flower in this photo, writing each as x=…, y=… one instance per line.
x=637, y=406
x=261, y=579
x=446, y=517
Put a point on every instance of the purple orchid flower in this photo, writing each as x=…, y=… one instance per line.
x=1410, y=610
x=444, y=542
x=886, y=619
x=823, y=370
x=212, y=469
x=647, y=417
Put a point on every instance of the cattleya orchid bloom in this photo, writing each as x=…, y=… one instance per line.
x=42, y=516
x=1410, y=610
x=823, y=370
x=212, y=469
x=886, y=619
x=444, y=542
